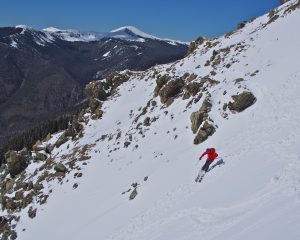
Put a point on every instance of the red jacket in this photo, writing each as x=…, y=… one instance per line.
x=211, y=154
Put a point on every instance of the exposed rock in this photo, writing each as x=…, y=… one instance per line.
x=61, y=140
x=48, y=137
x=60, y=168
x=205, y=131
x=38, y=186
x=241, y=25
x=32, y=212
x=115, y=79
x=16, y=163
x=40, y=156
x=145, y=178
x=171, y=89
x=74, y=128
x=9, y=185
x=126, y=144
x=95, y=89
x=198, y=117
x=98, y=113
x=160, y=82
x=242, y=101
x=38, y=146
x=147, y=121
x=49, y=148
x=193, y=45
x=94, y=104
x=24, y=151
x=133, y=194
x=193, y=88
x=19, y=195
x=60, y=174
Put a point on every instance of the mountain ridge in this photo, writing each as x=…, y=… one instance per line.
x=42, y=75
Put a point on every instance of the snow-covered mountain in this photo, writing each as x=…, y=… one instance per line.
x=50, y=34
x=128, y=33
x=43, y=73
x=126, y=168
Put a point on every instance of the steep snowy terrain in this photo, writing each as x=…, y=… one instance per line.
x=43, y=73
x=254, y=195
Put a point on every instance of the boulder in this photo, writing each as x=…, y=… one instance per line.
x=98, y=113
x=49, y=148
x=40, y=156
x=38, y=146
x=32, y=212
x=16, y=163
x=133, y=194
x=147, y=121
x=170, y=90
x=60, y=168
x=38, y=187
x=241, y=101
x=61, y=140
x=160, y=82
x=198, y=117
x=9, y=184
x=205, y=131
x=126, y=144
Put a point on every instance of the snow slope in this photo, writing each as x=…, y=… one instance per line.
x=254, y=195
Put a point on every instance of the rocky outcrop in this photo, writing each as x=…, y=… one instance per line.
x=198, y=117
x=160, y=82
x=170, y=90
x=193, y=45
x=205, y=131
x=241, y=101
x=115, y=79
x=16, y=162
x=96, y=89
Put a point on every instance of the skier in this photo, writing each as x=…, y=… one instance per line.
x=211, y=156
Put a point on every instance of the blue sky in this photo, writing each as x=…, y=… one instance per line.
x=177, y=19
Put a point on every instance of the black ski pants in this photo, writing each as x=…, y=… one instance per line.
x=206, y=165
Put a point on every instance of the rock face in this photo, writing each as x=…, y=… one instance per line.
x=201, y=118
x=205, y=131
x=198, y=117
x=242, y=101
x=170, y=90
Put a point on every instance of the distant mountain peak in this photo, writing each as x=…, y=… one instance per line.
x=133, y=30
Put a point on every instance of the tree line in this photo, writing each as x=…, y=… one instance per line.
x=29, y=137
